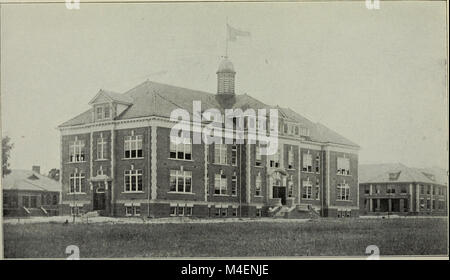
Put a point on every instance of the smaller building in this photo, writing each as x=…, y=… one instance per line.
x=398, y=189
x=28, y=193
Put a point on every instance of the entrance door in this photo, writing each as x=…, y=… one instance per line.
x=280, y=192
x=99, y=201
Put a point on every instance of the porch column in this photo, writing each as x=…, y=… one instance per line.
x=390, y=205
x=378, y=204
x=370, y=204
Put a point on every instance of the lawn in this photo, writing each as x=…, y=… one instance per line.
x=322, y=237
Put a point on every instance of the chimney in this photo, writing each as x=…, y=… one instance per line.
x=36, y=168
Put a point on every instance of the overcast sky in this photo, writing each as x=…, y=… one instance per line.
x=378, y=77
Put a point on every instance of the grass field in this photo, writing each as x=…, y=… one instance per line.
x=323, y=237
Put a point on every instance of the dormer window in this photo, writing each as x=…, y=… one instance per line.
x=102, y=112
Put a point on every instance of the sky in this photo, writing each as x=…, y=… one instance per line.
x=377, y=77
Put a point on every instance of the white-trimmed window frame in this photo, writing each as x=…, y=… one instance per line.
x=343, y=166
x=78, y=181
x=220, y=154
x=343, y=192
x=220, y=183
x=77, y=151
x=234, y=185
x=258, y=185
x=307, y=189
x=102, y=148
x=291, y=158
x=234, y=154
x=133, y=143
x=307, y=164
x=135, y=177
x=181, y=151
x=178, y=176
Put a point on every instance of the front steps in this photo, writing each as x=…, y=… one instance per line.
x=300, y=211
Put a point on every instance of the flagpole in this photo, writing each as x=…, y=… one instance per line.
x=226, y=38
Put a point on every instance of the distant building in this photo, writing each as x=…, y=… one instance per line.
x=398, y=189
x=28, y=193
x=117, y=158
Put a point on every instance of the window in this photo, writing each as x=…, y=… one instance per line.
x=180, y=181
x=403, y=189
x=102, y=151
x=182, y=150
x=343, y=192
x=173, y=210
x=390, y=189
x=291, y=158
x=258, y=184
x=317, y=164
x=285, y=128
x=234, y=155
x=378, y=189
x=220, y=153
x=180, y=211
x=224, y=212
x=217, y=212
x=258, y=159
x=275, y=159
x=307, y=189
x=307, y=163
x=343, y=166
x=234, y=185
x=76, y=182
x=304, y=131
x=433, y=203
x=132, y=210
x=422, y=189
x=428, y=189
x=76, y=150
x=428, y=204
x=317, y=192
x=133, y=146
x=103, y=112
x=290, y=187
x=133, y=180
x=422, y=203
x=220, y=184
x=296, y=130
x=188, y=211
x=367, y=189
x=234, y=212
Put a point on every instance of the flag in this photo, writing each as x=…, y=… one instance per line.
x=233, y=33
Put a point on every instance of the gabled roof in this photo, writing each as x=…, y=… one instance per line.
x=111, y=96
x=383, y=173
x=29, y=180
x=156, y=99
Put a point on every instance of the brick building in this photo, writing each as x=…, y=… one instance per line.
x=398, y=189
x=28, y=193
x=117, y=158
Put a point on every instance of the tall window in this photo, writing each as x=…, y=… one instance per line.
x=307, y=163
x=234, y=185
x=343, y=166
x=290, y=187
x=258, y=185
x=234, y=155
x=182, y=150
x=317, y=164
x=180, y=181
x=133, y=180
x=307, y=189
x=275, y=159
x=317, y=190
x=76, y=150
x=220, y=184
x=102, y=151
x=291, y=158
x=258, y=160
x=390, y=189
x=77, y=182
x=220, y=153
x=133, y=146
x=343, y=191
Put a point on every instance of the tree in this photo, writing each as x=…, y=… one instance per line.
x=54, y=174
x=6, y=149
